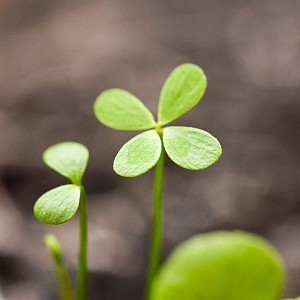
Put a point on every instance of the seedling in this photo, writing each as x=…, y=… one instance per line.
x=188, y=147
x=62, y=275
x=60, y=204
x=221, y=265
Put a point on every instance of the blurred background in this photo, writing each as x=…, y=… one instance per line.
x=56, y=56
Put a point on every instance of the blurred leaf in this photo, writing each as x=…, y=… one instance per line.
x=58, y=205
x=191, y=148
x=138, y=155
x=68, y=159
x=121, y=110
x=182, y=90
x=221, y=265
x=54, y=247
x=62, y=275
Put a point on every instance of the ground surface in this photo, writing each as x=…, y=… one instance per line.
x=56, y=56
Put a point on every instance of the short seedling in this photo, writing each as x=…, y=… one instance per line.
x=188, y=147
x=62, y=275
x=60, y=204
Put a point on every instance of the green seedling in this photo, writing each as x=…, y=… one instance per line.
x=60, y=204
x=221, y=265
x=62, y=275
x=188, y=147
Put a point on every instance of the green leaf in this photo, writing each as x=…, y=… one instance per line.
x=58, y=205
x=221, y=265
x=54, y=247
x=68, y=159
x=138, y=155
x=121, y=110
x=191, y=148
x=182, y=90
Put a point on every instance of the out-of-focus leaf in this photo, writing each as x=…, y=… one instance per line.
x=68, y=159
x=191, y=148
x=58, y=205
x=138, y=155
x=221, y=265
x=182, y=90
x=121, y=110
x=54, y=247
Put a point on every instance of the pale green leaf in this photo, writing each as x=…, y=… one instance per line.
x=138, y=155
x=221, y=265
x=54, y=247
x=58, y=205
x=62, y=274
x=68, y=159
x=121, y=110
x=191, y=148
x=182, y=90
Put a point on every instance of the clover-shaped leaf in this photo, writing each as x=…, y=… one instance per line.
x=121, y=110
x=68, y=159
x=191, y=148
x=182, y=90
x=138, y=155
x=58, y=205
x=221, y=265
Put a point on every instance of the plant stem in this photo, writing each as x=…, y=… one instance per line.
x=82, y=276
x=62, y=275
x=157, y=224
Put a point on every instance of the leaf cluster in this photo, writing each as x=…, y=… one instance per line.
x=61, y=203
x=188, y=147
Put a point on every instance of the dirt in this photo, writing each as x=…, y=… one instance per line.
x=57, y=56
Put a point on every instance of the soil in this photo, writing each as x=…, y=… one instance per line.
x=57, y=56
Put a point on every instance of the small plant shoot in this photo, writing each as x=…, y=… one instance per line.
x=60, y=204
x=62, y=275
x=221, y=265
x=190, y=148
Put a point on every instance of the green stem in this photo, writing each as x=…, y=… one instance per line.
x=82, y=276
x=62, y=275
x=157, y=224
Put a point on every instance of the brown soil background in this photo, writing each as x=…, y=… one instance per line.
x=57, y=56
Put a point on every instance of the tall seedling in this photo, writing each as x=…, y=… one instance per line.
x=188, y=147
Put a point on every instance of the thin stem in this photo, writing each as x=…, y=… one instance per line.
x=62, y=275
x=157, y=224
x=82, y=276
